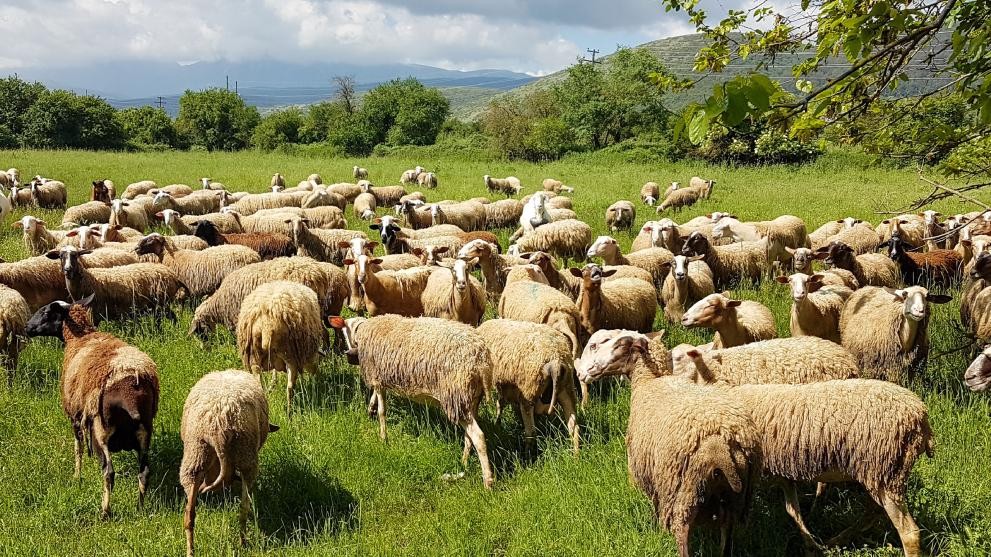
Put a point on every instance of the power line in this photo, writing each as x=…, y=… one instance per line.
x=161, y=103
x=593, y=52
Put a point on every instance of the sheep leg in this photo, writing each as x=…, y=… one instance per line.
x=726, y=539
x=108, y=475
x=820, y=489
x=372, y=400
x=467, y=451
x=681, y=535
x=381, y=404
x=143, y=466
x=584, y=388
x=795, y=512
x=568, y=404
x=474, y=431
x=529, y=428
x=77, y=431
x=189, y=519
x=292, y=372
x=894, y=505
x=247, y=482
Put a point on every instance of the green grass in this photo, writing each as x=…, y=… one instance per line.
x=329, y=486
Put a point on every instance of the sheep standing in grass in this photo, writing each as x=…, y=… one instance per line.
x=977, y=377
x=103, y=191
x=888, y=330
x=649, y=193
x=556, y=186
x=201, y=272
x=703, y=186
x=692, y=450
x=508, y=186
x=566, y=239
x=541, y=303
x=268, y=246
x=38, y=239
x=138, y=188
x=688, y=281
x=109, y=390
x=618, y=304
x=364, y=206
x=503, y=213
x=452, y=293
x=816, y=308
x=678, y=199
x=870, y=269
x=398, y=292
x=730, y=264
x=911, y=228
x=279, y=328
x=92, y=212
x=467, y=216
x=14, y=315
x=448, y=364
x=620, y=216
x=49, y=195
x=936, y=267
x=224, y=426
x=536, y=378
x=655, y=261
x=736, y=322
x=427, y=180
x=409, y=176
x=125, y=213
x=359, y=173
x=492, y=264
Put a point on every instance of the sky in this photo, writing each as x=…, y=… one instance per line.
x=532, y=36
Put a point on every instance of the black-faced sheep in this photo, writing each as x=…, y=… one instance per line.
x=870, y=269
x=268, y=246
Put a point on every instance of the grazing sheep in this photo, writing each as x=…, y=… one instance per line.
x=736, y=322
x=528, y=378
x=268, y=246
x=409, y=176
x=888, y=330
x=346, y=190
x=702, y=185
x=279, y=328
x=109, y=390
x=223, y=307
x=541, y=303
x=121, y=290
x=692, y=450
x=14, y=315
x=209, y=184
x=201, y=272
x=688, y=281
x=138, y=188
x=38, y=239
x=452, y=293
x=125, y=213
x=49, y=195
x=680, y=198
x=556, y=186
x=566, y=239
x=224, y=426
x=870, y=269
x=816, y=308
x=508, y=186
x=618, y=304
x=503, y=213
x=620, y=216
x=448, y=364
x=359, y=173
x=730, y=264
x=364, y=206
x=649, y=193
x=427, y=180
x=386, y=196
x=92, y=212
x=467, y=216
x=937, y=267
x=103, y=191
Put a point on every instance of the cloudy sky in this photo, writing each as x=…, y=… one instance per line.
x=534, y=36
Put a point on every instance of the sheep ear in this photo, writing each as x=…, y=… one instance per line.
x=898, y=294
x=734, y=303
x=53, y=254
x=939, y=298
x=417, y=252
x=349, y=261
x=17, y=225
x=694, y=353
x=609, y=273
x=376, y=261
x=85, y=251
x=441, y=250
x=374, y=226
x=886, y=221
x=656, y=334
x=840, y=221
x=343, y=245
x=87, y=301
x=287, y=221
x=820, y=255
x=159, y=215
x=790, y=250
x=967, y=243
x=782, y=279
x=118, y=227
x=272, y=428
x=816, y=278
x=575, y=272
x=336, y=321
x=372, y=246
x=72, y=233
x=377, y=221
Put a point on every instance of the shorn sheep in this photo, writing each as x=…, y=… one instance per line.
x=536, y=377
x=888, y=330
x=618, y=304
x=509, y=186
x=688, y=281
x=449, y=365
x=816, y=308
x=14, y=315
x=736, y=322
x=224, y=426
x=279, y=328
x=109, y=390
x=621, y=215
x=870, y=269
x=693, y=451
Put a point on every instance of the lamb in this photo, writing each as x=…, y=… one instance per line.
x=364, y=206
x=816, y=308
x=937, y=267
x=14, y=315
x=279, y=328
x=680, y=198
x=736, y=322
x=20, y=196
x=268, y=246
x=359, y=173
x=688, y=281
x=92, y=212
x=452, y=293
x=556, y=186
x=409, y=176
x=200, y=271
x=649, y=193
x=618, y=304
x=508, y=186
x=620, y=216
x=385, y=196
x=693, y=465
x=702, y=185
x=109, y=390
x=103, y=191
x=189, y=205
x=138, y=188
x=224, y=426
x=427, y=180
x=870, y=269
x=448, y=365
x=656, y=261
x=567, y=239
x=37, y=238
x=524, y=377
x=467, y=216
x=503, y=213
x=124, y=213
x=399, y=292
x=729, y=264
x=49, y=195
x=119, y=290
x=223, y=307
x=888, y=330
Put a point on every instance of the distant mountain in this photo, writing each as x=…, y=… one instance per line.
x=266, y=84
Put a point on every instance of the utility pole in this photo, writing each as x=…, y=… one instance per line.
x=161, y=103
x=228, y=79
x=593, y=52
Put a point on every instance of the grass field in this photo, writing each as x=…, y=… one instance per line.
x=329, y=486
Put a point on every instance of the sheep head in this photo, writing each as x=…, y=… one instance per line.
x=603, y=246
x=978, y=374
x=695, y=244
x=610, y=352
x=915, y=301
x=801, y=285
x=70, y=260
x=710, y=311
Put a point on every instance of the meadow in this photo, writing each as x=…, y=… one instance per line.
x=329, y=486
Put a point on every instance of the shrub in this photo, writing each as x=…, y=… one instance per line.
x=278, y=129
x=216, y=119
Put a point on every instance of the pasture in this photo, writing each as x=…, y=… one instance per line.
x=329, y=486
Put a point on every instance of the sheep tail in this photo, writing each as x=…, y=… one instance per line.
x=554, y=369
x=572, y=338
x=224, y=468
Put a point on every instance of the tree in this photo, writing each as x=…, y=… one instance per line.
x=148, y=125
x=345, y=93
x=510, y=120
x=415, y=111
x=16, y=97
x=281, y=127
x=216, y=119
x=319, y=119
x=60, y=119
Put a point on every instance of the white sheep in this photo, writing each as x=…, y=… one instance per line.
x=688, y=281
x=621, y=215
x=736, y=322
x=816, y=308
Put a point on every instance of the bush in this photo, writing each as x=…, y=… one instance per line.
x=60, y=119
x=279, y=128
x=216, y=119
x=7, y=138
x=776, y=147
x=549, y=139
x=148, y=127
x=404, y=112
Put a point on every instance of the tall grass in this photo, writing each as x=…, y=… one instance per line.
x=329, y=486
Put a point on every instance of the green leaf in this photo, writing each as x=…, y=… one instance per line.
x=852, y=48
x=737, y=107
x=679, y=127
x=698, y=127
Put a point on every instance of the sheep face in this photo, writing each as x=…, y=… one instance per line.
x=476, y=248
x=895, y=247
x=362, y=262
x=709, y=311
x=801, y=258
x=47, y=321
x=837, y=254
x=152, y=243
x=717, y=216
x=850, y=222
x=161, y=199
x=542, y=260
x=801, y=285
x=978, y=374
x=679, y=266
x=915, y=301
x=610, y=352
x=85, y=235
x=70, y=260
x=207, y=231
x=592, y=276
x=28, y=223
x=168, y=216
x=100, y=191
x=695, y=244
x=388, y=229
x=982, y=265
x=462, y=270
x=602, y=246
x=930, y=217
x=205, y=182
x=105, y=230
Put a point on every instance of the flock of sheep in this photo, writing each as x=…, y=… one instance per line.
x=706, y=422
